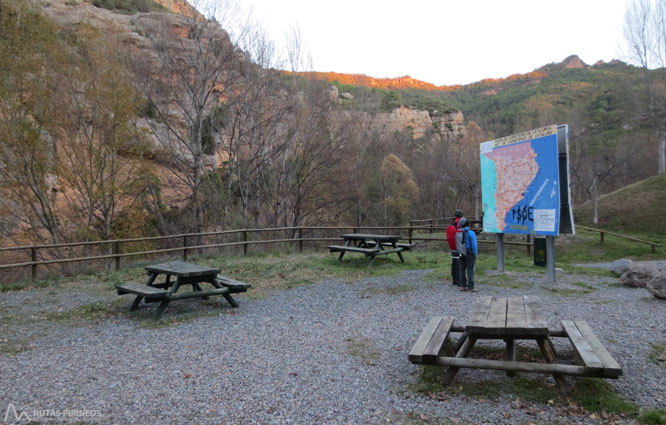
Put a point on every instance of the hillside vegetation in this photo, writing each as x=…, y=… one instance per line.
x=638, y=207
x=117, y=124
x=609, y=134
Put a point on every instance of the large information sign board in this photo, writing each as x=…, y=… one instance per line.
x=524, y=182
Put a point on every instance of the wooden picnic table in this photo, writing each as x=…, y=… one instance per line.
x=371, y=245
x=511, y=319
x=185, y=274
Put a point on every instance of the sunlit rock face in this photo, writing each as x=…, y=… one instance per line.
x=449, y=126
x=182, y=7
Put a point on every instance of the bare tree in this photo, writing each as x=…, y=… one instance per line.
x=645, y=33
x=28, y=50
x=399, y=190
x=99, y=149
x=196, y=66
x=594, y=162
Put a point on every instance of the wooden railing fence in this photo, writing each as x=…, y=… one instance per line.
x=653, y=245
x=185, y=244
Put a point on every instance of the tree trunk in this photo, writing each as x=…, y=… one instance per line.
x=595, y=201
x=662, y=155
x=476, y=205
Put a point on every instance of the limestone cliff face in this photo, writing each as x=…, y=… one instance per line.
x=448, y=126
x=181, y=7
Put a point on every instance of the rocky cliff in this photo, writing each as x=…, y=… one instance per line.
x=181, y=7
x=448, y=126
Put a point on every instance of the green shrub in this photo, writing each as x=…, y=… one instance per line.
x=653, y=417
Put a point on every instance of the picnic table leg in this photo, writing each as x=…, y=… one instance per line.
x=136, y=302
x=550, y=358
x=151, y=278
x=510, y=354
x=230, y=300
x=160, y=309
x=196, y=287
x=372, y=259
x=227, y=297
x=139, y=298
x=464, y=350
x=402, y=260
x=551, y=346
x=460, y=342
x=342, y=254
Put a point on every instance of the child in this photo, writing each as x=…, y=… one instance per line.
x=466, y=245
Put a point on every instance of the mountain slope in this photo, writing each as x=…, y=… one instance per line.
x=637, y=207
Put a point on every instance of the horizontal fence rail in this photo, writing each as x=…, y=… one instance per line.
x=653, y=245
x=186, y=243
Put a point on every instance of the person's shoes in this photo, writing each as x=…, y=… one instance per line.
x=473, y=290
x=463, y=290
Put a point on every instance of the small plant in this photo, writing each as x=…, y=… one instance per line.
x=596, y=395
x=653, y=417
x=658, y=354
x=593, y=395
x=362, y=348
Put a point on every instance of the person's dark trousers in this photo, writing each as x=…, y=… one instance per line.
x=455, y=267
x=467, y=263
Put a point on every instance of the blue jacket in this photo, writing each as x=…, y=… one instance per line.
x=470, y=241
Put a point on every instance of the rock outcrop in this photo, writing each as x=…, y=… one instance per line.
x=620, y=266
x=181, y=7
x=638, y=275
x=657, y=286
x=448, y=126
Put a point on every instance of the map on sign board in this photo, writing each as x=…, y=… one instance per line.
x=520, y=183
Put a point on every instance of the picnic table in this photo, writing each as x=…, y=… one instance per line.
x=185, y=274
x=371, y=245
x=511, y=319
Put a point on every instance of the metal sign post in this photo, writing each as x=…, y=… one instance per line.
x=550, y=258
x=500, y=252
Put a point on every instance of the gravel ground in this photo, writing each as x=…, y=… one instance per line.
x=328, y=353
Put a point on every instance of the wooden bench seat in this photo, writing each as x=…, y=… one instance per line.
x=366, y=251
x=594, y=355
x=404, y=246
x=390, y=251
x=232, y=284
x=430, y=342
x=141, y=289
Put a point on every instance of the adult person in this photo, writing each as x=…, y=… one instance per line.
x=451, y=239
x=467, y=247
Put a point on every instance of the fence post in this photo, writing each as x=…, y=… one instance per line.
x=245, y=240
x=185, y=248
x=528, y=245
x=300, y=240
x=431, y=229
x=116, y=251
x=33, y=254
x=411, y=232
x=602, y=236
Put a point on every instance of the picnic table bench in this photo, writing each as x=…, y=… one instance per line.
x=186, y=274
x=371, y=245
x=512, y=319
